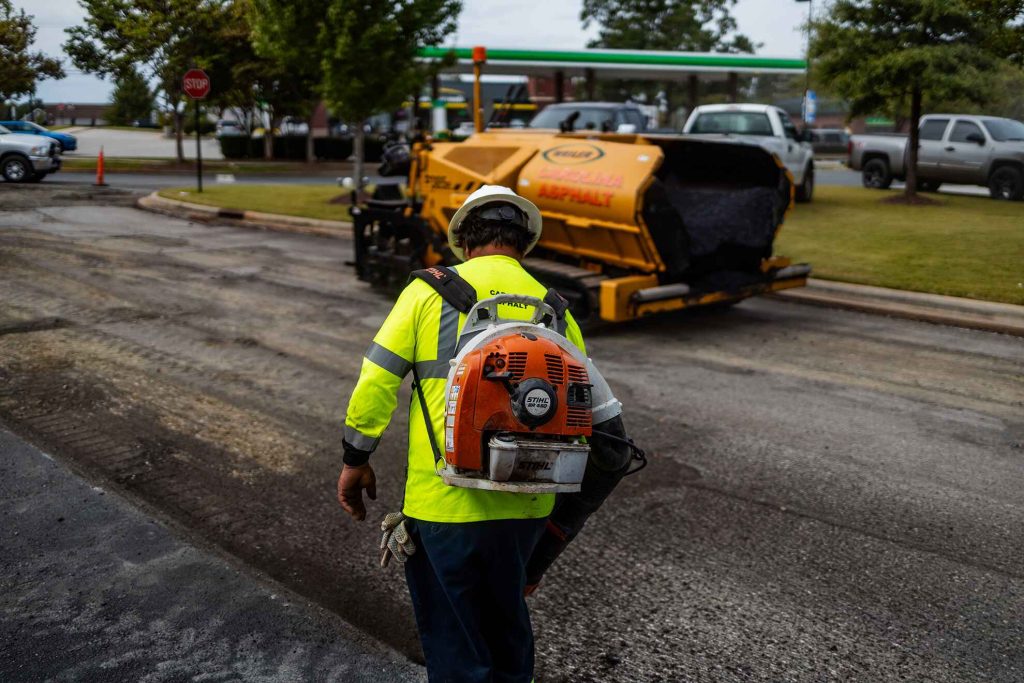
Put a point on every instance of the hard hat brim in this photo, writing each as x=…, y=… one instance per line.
x=529, y=208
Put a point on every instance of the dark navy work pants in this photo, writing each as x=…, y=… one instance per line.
x=466, y=581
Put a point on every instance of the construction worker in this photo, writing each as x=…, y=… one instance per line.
x=465, y=550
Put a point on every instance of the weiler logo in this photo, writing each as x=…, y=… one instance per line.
x=573, y=154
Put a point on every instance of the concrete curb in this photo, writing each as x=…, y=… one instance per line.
x=268, y=221
x=934, y=308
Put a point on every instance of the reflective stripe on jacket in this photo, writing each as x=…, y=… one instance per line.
x=422, y=328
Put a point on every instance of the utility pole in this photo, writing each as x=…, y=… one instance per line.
x=808, y=116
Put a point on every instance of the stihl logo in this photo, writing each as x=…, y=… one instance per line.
x=537, y=402
x=533, y=466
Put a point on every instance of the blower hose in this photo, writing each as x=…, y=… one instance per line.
x=638, y=454
x=612, y=455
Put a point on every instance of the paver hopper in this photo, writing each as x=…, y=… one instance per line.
x=633, y=225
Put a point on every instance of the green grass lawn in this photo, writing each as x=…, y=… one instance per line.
x=311, y=201
x=964, y=246
x=141, y=165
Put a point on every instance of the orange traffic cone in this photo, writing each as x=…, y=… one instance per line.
x=99, y=170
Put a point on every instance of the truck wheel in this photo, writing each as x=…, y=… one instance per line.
x=876, y=175
x=1006, y=182
x=928, y=185
x=16, y=169
x=805, y=191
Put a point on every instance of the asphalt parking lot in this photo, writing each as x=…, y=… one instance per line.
x=143, y=143
x=831, y=495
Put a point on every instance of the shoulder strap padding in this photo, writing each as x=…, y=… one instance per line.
x=449, y=285
x=557, y=302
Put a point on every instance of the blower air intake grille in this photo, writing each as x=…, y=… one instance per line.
x=578, y=417
x=578, y=374
x=556, y=369
x=517, y=364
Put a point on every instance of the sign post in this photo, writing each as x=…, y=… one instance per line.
x=810, y=106
x=196, y=85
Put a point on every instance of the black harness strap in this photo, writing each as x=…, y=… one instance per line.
x=449, y=285
x=557, y=302
x=418, y=386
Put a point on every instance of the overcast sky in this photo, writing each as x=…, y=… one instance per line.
x=551, y=24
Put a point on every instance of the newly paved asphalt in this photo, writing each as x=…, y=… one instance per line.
x=92, y=589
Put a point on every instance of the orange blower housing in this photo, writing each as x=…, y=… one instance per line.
x=522, y=394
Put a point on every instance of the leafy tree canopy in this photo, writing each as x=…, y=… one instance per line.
x=132, y=98
x=161, y=38
x=283, y=37
x=368, y=51
x=698, y=26
x=877, y=53
x=20, y=67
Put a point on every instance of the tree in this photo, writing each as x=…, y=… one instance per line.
x=281, y=31
x=671, y=25
x=161, y=38
x=20, y=68
x=699, y=26
x=885, y=56
x=132, y=98
x=368, y=53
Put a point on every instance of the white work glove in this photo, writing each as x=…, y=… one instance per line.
x=396, y=540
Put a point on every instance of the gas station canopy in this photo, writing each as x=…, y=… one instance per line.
x=631, y=64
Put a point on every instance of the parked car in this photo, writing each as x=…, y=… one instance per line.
x=228, y=128
x=27, y=158
x=607, y=117
x=463, y=130
x=764, y=125
x=68, y=143
x=829, y=140
x=291, y=125
x=953, y=148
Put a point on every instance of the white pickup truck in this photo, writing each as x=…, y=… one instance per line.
x=764, y=125
x=27, y=158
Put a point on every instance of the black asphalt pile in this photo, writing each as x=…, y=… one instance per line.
x=713, y=212
x=92, y=589
x=729, y=233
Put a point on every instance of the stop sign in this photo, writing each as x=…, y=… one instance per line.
x=196, y=84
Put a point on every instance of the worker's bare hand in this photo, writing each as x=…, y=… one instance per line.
x=350, y=489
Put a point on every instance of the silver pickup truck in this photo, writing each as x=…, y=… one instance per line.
x=27, y=158
x=954, y=148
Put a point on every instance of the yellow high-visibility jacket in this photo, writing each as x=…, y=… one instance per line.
x=423, y=329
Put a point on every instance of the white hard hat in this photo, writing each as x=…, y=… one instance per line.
x=494, y=193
